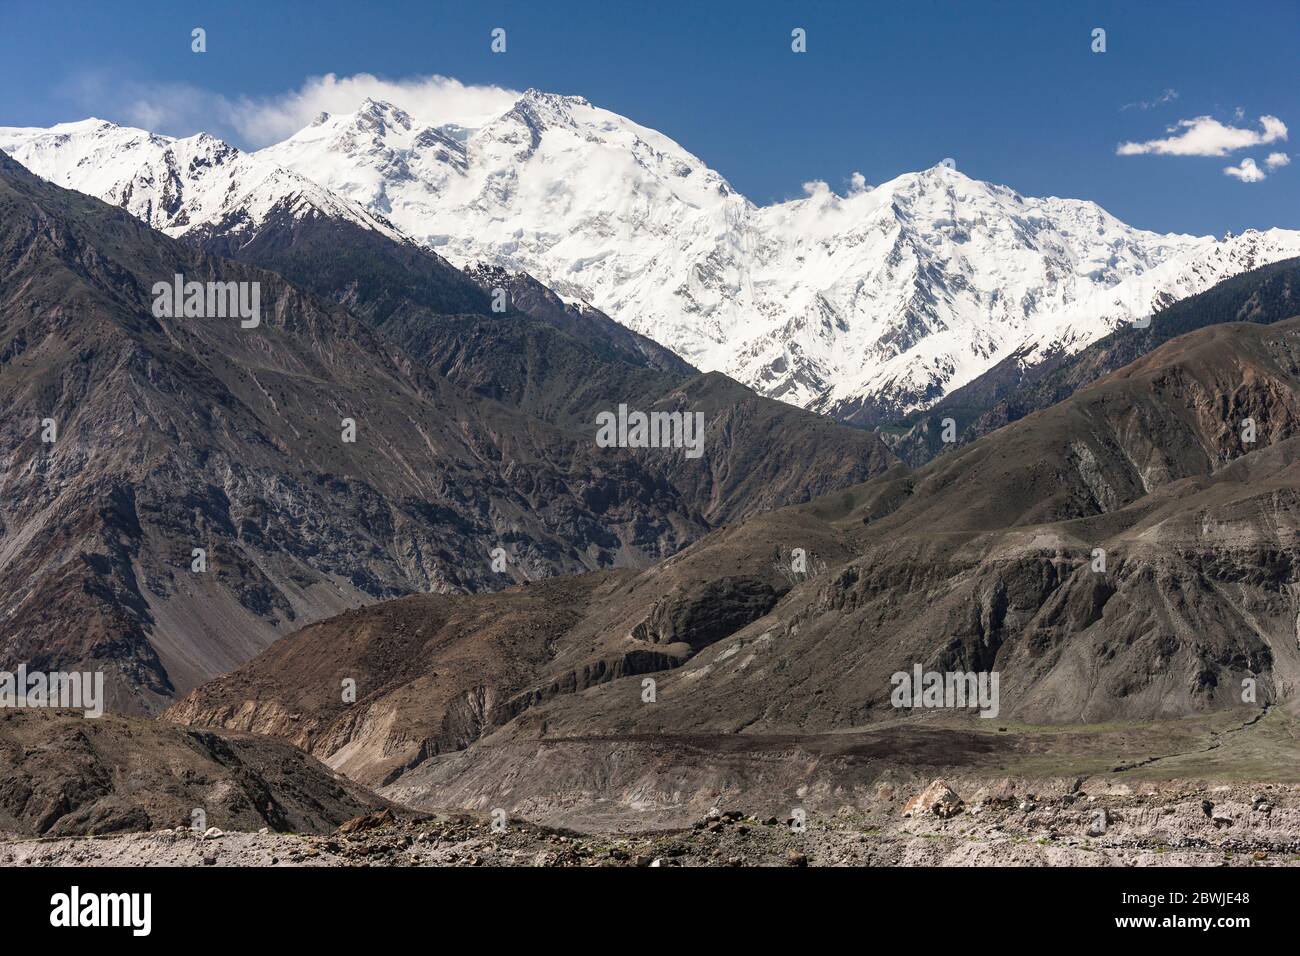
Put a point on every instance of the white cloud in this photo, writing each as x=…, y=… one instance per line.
x=1206, y=136
x=1165, y=96
x=431, y=100
x=182, y=110
x=857, y=183
x=1247, y=172
x=1277, y=160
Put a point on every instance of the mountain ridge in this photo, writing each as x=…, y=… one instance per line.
x=867, y=306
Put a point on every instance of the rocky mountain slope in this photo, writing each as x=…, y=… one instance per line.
x=196, y=433
x=561, y=363
x=67, y=776
x=982, y=561
x=175, y=435
x=479, y=660
x=985, y=561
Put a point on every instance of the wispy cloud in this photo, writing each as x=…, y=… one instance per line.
x=433, y=100
x=181, y=110
x=1206, y=136
x=1166, y=96
x=1246, y=171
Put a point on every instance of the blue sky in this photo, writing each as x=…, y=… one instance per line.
x=1012, y=91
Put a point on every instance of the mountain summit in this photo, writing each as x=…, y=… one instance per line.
x=865, y=306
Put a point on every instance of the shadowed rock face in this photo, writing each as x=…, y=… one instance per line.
x=705, y=613
x=64, y=775
x=184, y=434
x=985, y=560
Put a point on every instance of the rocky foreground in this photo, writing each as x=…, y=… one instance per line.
x=998, y=825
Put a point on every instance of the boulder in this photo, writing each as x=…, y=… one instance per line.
x=938, y=799
x=370, y=821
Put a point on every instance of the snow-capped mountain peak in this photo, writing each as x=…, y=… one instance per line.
x=865, y=302
x=175, y=185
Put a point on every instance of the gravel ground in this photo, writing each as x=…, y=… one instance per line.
x=1002, y=824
